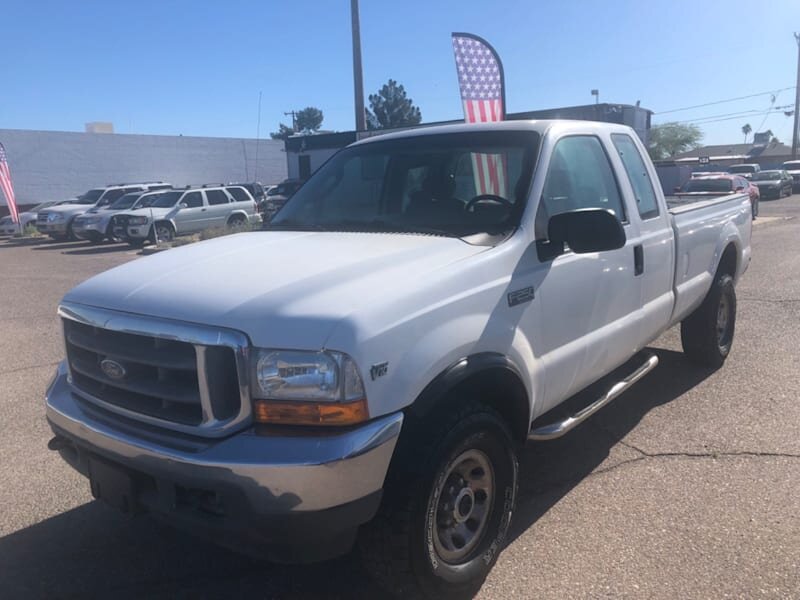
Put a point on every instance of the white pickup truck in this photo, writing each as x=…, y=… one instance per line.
x=376, y=358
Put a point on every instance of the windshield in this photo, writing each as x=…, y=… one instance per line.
x=167, y=200
x=90, y=197
x=767, y=176
x=454, y=184
x=708, y=185
x=148, y=200
x=742, y=169
x=125, y=201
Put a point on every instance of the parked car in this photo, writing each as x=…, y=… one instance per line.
x=719, y=185
x=26, y=218
x=793, y=168
x=278, y=196
x=746, y=170
x=388, y=352
x=57, y=221
x=98, y=224
x=773, y=183
x=189, y=210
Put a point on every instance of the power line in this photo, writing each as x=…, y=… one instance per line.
x=736, y=115
x=663, y=112
x=701, y=122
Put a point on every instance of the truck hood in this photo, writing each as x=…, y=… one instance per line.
x=283, y=289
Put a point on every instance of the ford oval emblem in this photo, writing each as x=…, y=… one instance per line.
x=112, y=369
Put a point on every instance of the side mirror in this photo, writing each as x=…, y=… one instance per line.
x=586, y=230
x=183, y=205
x=677, y=189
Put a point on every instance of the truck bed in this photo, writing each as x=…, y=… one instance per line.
x=682, y=204
x=700, y=226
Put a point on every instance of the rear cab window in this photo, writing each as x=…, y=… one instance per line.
x=636, y=169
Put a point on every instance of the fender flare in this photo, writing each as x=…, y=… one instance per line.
x=432, y=395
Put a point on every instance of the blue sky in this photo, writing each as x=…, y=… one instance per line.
x=196, y=68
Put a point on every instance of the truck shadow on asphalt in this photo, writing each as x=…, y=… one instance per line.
x=92, y=551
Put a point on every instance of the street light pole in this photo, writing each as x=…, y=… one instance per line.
x=358, y=81
x=796, y=130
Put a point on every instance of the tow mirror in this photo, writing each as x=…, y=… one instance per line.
x=586, y=230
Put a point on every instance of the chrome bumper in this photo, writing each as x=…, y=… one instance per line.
x=276, y=473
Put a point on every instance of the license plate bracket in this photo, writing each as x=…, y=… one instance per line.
x=114, y=485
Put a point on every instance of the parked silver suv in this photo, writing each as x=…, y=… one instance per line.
x=57, y=222
x=186, y=211
x=97, y=224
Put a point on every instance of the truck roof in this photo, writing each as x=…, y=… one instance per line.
x=539, y=126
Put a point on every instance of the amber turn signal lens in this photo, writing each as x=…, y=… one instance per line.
x=310, y=413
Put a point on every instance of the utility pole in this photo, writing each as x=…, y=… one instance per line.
x=796, y=130
x=358, y=81
x=294, y=119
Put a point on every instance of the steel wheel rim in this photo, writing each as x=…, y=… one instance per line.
x=163, y=232
x=463, y=503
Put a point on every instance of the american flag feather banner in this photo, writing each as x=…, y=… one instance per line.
x=5, y=185
x=482, y=86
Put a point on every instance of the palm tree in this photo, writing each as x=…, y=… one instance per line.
x=746, y=129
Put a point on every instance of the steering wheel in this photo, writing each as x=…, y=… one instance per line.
x=488, y=198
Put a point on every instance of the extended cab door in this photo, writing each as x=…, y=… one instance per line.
x=655, y=252
x=590, y=302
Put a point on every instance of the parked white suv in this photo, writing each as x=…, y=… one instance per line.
x=189, y=210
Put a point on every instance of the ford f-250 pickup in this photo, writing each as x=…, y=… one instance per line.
x=373, y=361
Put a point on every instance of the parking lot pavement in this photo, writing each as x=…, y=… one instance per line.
x=685, y=487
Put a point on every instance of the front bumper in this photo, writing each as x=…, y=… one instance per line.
x=138, y=232
x=56, y=227
x=291, y=498
x=89, y=230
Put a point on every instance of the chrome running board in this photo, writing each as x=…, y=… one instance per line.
x=559, y=428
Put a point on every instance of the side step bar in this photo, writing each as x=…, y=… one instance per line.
x=559, y=428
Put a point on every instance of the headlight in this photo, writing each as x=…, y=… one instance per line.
x=137, y=221
x=306, y=388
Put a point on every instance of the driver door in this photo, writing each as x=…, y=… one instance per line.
x=590, y=302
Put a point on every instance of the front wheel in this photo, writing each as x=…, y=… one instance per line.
x=444, y=519
x=161, y=232
x=707, y=334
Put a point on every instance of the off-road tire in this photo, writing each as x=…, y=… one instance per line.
x=703, y=341
x=398, y=546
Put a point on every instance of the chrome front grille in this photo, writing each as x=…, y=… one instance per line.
x=176, y=375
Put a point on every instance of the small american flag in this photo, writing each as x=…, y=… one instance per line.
x=480, y=79
x=5, y=185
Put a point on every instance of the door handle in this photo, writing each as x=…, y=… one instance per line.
x=202, y=210
x=638, y=260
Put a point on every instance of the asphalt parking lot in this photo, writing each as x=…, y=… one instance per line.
x=688, y=486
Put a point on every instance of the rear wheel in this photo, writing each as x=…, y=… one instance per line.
x=237, y=222
x=446, y=508
x=707, y=334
